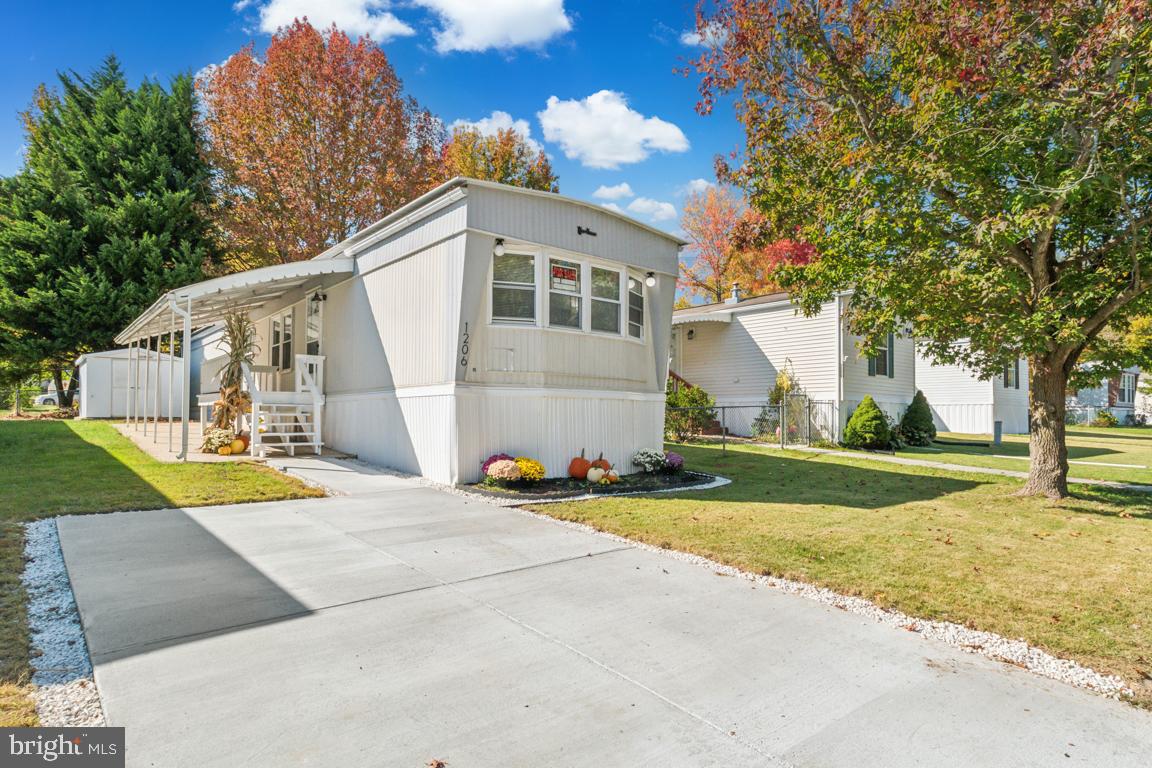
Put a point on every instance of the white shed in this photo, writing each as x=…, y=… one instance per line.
x=108, y=378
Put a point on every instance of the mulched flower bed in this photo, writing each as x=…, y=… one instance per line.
x=565, y=487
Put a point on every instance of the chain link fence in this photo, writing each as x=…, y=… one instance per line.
x=796, y=421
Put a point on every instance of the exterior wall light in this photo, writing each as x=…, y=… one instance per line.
x=650, y=280
x=499, y=249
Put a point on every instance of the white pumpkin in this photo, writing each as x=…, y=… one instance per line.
x=595, y=474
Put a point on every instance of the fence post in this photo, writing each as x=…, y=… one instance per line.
x=783, y=419
x=723, y=429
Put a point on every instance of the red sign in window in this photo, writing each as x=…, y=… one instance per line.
x=564, y=273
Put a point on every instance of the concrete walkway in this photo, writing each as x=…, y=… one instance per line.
x=399, y=625
x=1136, y=487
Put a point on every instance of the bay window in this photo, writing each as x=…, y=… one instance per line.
x=514, y=288
x=636, y=308
x=605, y=300
x=564, y=296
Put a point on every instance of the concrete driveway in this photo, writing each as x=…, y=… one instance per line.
x=402, y=625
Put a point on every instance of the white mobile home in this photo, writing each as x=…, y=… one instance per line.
x=963, y=402
x=477, y=319
x=734, y=350
x=1116, y=394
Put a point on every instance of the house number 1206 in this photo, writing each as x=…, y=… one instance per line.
x=464, y=347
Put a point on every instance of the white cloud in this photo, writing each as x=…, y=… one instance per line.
x=499, y=121
x=614, y=192
x=356, y=17
x=612, y=207
x=696, y=186
x=475, y=25
x=712, y=36
x=602, y=131
x=653, y=209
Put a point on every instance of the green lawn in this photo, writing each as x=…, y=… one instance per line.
x=71, y=467
x=1072, y=577
x=1131, y=446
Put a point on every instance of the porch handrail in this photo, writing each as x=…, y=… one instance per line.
x=310, y=375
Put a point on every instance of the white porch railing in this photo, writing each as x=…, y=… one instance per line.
x=287, y=419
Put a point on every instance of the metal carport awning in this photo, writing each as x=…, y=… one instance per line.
x=201, y=304
x=243, y=291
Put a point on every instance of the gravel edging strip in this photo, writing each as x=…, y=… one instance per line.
x=989, y=644
x=65, y=691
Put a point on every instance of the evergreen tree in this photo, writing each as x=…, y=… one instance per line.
x=917, y=426
x=868, y=427
x=108, y=212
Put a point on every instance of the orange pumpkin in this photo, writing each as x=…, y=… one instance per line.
x=579, y=466
x=602, y=463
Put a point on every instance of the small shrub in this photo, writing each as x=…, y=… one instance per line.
x=673, y=462
x=868, y=427
x=679, y=425
x=649, y=460
x=1105, y=419
x=531, y=471
x=917, y=427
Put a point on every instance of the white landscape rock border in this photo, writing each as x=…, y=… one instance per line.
x=65, y=692
x=997, y=647
x=989, y=644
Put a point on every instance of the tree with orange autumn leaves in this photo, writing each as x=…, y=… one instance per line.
x=505, y=157
x=723, y=251
x=310, y=143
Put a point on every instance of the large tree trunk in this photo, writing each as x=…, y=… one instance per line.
x=65, y=397
x=1048, y=470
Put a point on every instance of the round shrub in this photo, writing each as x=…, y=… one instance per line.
x=917, y=427
x=488, y=462
x=868, y=427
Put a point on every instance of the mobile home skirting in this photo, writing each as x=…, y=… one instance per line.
x=444, y=432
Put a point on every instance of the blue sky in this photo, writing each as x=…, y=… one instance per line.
x=593, y=82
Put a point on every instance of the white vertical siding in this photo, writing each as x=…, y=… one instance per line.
x=737, y=362
x=553, y=425
x=411, y=432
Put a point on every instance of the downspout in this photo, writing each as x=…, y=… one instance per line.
x=186, y=316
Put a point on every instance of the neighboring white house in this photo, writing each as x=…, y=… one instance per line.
x=479, y=318
x=963, y=402
x=735, y=349
x=1117, y=394
x=108, y=389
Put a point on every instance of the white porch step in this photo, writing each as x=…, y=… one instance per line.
x=275, y=399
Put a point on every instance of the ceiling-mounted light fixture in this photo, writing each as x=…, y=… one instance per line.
x=319, y=297
x=499, y=249
x=650, y=280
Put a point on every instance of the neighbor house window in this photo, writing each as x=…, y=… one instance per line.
x=1012, y=376
x=564, y=297
x=514, y=288
x=882, y=363
x=636, y=307
x=605, y=300
x=1127, y=388
x=282, y=342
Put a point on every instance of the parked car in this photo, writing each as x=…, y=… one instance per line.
x=51, y=398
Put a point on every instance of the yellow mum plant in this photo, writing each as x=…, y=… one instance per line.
x=531, y=471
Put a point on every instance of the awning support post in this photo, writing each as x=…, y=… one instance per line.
x=156, y=394
x=147, y=379
x=128, y=386
x=185, y=340
x=171, y=376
